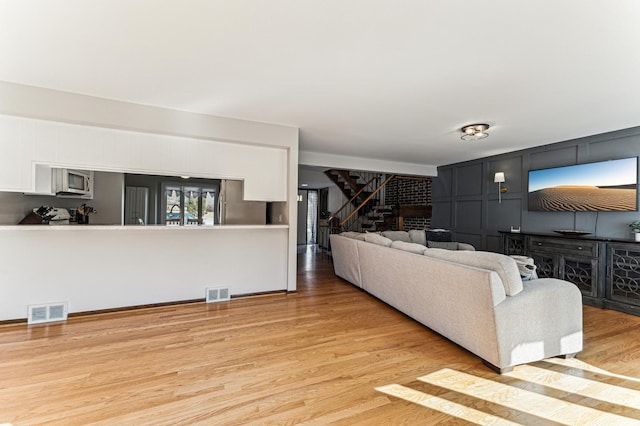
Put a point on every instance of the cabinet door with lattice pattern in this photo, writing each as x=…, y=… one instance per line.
x=545, y=264
x=583, y=272
x=513, y=244
x=623, y=273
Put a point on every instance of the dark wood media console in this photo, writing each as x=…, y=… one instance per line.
x=606, y=271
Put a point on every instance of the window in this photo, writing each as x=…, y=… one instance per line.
x=189, y=205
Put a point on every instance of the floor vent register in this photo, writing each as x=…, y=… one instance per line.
x=47, y=312
x=218, y=294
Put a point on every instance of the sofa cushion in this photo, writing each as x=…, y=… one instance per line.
x=438, y=235
x=397, y=236
x=504, y=266
x=410, y=247
x=465, y=246
x=378, y=239
x=447, y=245
x=418, y=236
x=354, y=235
x=348, y=234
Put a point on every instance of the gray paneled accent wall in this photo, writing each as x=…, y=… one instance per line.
x=467, y=182
x=465, y=198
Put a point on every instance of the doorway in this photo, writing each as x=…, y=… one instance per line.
x=312, y=217
x=308, y=216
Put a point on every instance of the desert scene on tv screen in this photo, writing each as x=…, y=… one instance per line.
x=604, y=186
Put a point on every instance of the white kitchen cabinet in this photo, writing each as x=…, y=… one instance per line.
x=44, y=181
x=15, y=155
x=26, y=142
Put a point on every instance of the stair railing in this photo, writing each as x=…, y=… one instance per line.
x=348, y=203
x=366, y=200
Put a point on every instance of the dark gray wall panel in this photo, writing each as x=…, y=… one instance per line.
x=607, y=225
x=494, y=243
x=561, y=156
x=468, y=214
x=469, y=180
x=512, y=168
x=610, y=150
x=501, y=216
x=473, y=239
x=548, y=221
x=441, y=216
x=476, y=193
x=441, y=186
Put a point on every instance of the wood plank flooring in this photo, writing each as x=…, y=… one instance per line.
x=328, y=354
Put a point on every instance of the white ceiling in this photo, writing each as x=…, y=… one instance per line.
x=383, y=79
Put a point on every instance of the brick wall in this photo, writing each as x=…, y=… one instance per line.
x=414, y=192
x=415, y=223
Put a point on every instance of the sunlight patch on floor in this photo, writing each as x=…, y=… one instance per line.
x=581, y=365
x=526, y=401
x=577, y=385
x=443, y=405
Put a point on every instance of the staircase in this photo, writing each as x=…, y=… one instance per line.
x=363, y=211
x=380, y=218
x=355, y=186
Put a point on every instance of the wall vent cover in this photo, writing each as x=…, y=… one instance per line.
x=218, y=294
x=47, y=312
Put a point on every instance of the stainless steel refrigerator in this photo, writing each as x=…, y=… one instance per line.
x=234, y=210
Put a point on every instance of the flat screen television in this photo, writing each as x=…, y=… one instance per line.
x=603, y=186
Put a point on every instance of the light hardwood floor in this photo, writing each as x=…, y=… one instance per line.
x=329, y=354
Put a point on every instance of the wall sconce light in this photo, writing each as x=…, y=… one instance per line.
x=499, y=178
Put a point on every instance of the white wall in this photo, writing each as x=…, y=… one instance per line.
x=47, y=104
x=367, y=164
x=101, y=268
x=65, y=129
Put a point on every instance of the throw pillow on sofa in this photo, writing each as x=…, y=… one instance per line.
x=410, y=247
x=526, y=266
x=438, y=235
x=418, y=236
x=377, y=239
x=503, y=265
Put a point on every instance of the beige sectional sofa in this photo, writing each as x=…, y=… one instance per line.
x=476, y=299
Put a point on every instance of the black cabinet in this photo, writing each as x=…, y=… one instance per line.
x=606, y=272
x=513, y=244
x=574, y=260
x=622, y=290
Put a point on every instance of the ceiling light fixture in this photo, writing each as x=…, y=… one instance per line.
x=474, y=132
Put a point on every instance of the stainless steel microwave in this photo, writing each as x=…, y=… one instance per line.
x=74, y=182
